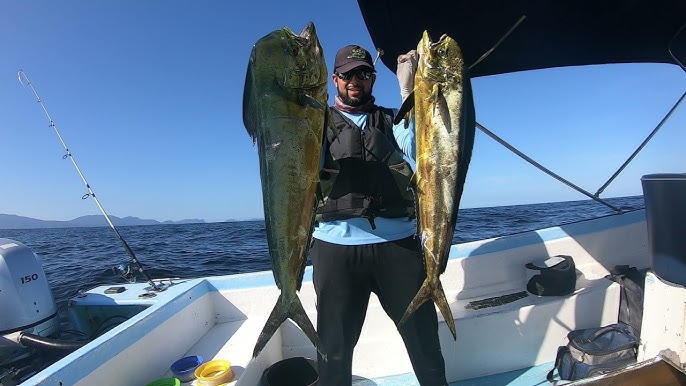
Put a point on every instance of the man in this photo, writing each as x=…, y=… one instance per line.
x=364, y=237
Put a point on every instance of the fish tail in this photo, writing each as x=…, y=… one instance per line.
x=299, y=316
x=420, y=298
x=437, y=294
x=284, y=309
x=276, y=318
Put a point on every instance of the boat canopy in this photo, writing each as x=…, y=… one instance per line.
x=546, y=33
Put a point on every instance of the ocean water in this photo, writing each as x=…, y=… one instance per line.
x=77, y=259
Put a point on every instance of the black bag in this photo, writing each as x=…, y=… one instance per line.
x=632, y=282
x=557, y=276
x=595, y=351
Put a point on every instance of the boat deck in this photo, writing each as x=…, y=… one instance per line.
x=220, y=317
x=524, y=377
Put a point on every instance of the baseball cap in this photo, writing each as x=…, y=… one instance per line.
x=350, y=57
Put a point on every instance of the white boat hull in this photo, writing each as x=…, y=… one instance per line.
x=221, y=317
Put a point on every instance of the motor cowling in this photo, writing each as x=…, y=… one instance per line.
x=26, y=300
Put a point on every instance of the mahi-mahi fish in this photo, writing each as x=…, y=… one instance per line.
x=284, y=111
x=445, y=129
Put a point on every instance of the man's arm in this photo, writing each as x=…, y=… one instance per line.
x=404, y=131
x=404, y=136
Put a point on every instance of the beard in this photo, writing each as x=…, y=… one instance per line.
x=354, y=101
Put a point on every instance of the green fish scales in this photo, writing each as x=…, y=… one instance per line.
x=285, y=111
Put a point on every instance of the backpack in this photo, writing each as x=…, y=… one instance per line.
x=595, y=351
x=632, y=282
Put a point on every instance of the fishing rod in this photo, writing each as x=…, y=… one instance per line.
x=124, y=271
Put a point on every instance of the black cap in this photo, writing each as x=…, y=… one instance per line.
x=350, y=57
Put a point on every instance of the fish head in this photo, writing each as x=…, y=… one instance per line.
x=440, y=61
x=292, y=61
x=286, y=65
x=308, y=70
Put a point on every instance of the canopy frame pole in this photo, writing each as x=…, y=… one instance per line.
x=641, y=146
x=659, y=125
x=485, y=55
x=546, y=170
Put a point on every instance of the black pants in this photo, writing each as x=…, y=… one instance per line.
x=344, y=277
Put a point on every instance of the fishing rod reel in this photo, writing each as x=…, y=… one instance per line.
x=124, y=270
x=128, y=270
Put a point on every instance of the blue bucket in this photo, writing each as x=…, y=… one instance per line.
x=184, y=368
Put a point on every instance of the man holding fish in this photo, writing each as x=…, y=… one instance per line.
x=364, y=237
x=364, y=184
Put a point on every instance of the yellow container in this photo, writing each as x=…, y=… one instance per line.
x=214, y=373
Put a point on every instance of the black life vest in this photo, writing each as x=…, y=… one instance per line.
x=364, y=173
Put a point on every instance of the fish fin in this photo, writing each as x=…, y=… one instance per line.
x=308, y=100
x=414, y=185
x=287, y=307
x=413, y=182
x=424, y=294
x=420, y=298
x=309, y=31
x=248, y=102
x=438, y=296
x=405, y=108
x=299, y=316
x=276, y=318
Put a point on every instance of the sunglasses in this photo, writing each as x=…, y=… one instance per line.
x=360, y=74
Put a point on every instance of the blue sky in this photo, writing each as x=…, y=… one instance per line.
x=147, y=95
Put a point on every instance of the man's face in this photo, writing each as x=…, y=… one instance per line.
x=355, y=86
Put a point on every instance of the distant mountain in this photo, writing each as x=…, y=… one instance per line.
x=247, y=219
x=186, y=221
x=11, y=221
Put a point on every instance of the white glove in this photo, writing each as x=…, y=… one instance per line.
x=407, y=66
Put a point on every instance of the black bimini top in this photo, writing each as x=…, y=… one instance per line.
x=548, y=33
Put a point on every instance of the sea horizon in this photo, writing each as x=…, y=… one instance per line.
x=14, y=221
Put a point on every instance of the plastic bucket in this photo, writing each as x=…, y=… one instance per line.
x=665, y=203
x=184, y=368
x=296, y=371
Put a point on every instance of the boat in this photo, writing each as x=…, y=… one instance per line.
x=506, y=334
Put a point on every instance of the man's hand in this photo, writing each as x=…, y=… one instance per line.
x=407, y=66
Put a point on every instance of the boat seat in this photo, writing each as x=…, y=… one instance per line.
x=525, y=329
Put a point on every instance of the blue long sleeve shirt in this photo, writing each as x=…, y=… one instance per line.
x=358, y=231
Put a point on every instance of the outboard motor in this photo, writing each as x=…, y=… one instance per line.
x=27, y=305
